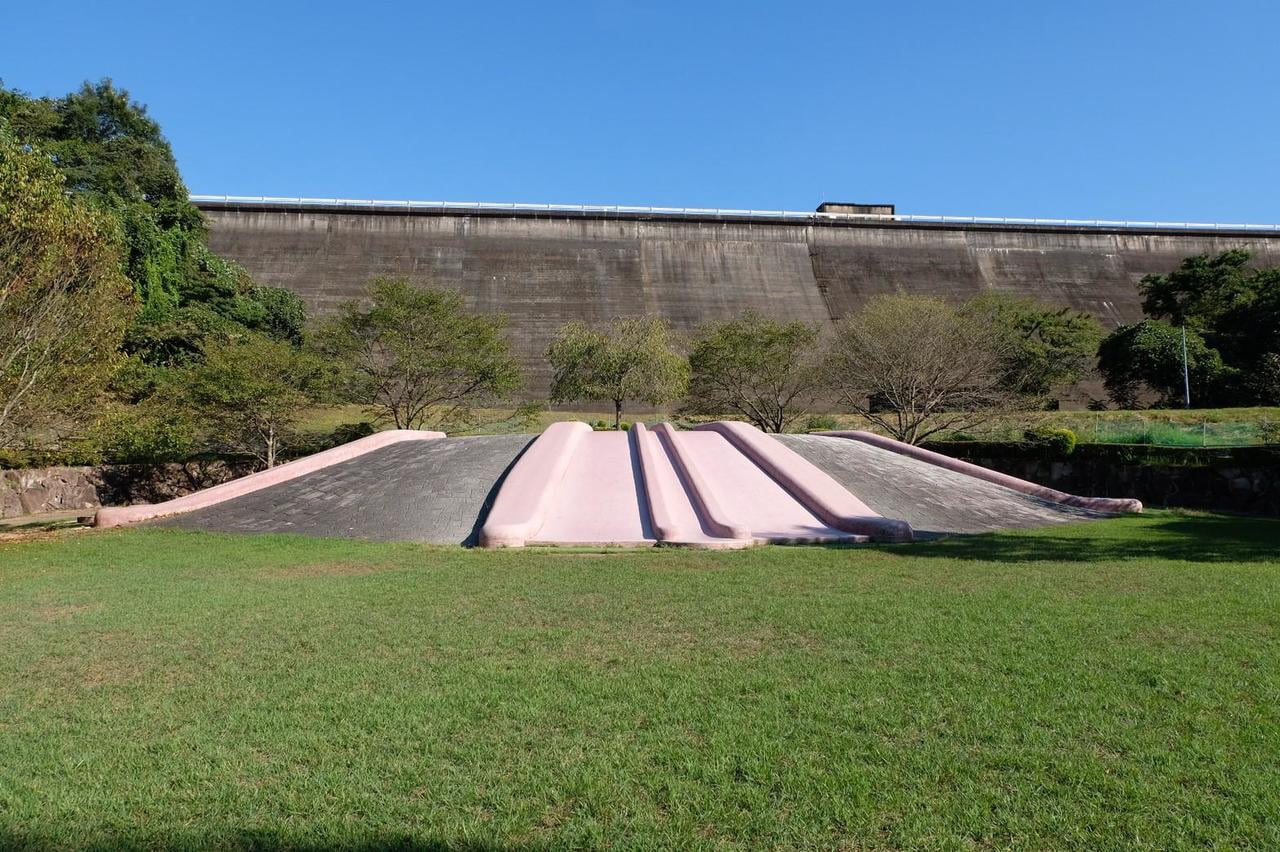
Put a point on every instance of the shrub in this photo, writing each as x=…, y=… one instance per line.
x=821, y=423
x=1054, y=440
x=1269, y=432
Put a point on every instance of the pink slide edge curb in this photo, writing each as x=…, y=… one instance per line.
x=520, y=508
x=812, y=486
x=1108, y=505
x=114, y=516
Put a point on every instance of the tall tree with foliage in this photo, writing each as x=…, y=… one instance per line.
x=247, y=394
x=632, y=360
x=114, y=156
x=1147, y=357
x=1045, y=346
x=761, y=369
x=64, y=303
x=916, y=366
x=417, y=357
x=1231, y=310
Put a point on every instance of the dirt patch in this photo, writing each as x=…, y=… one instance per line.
x=17, y=536
x=58, y=613
x=330, y=569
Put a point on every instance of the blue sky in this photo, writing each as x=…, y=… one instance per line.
x=1108, y=109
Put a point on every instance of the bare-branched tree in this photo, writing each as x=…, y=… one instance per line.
x=916, y=366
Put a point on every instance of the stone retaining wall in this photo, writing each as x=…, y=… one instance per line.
x=52, y=489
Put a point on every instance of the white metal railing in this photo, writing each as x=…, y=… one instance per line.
x=711, y=211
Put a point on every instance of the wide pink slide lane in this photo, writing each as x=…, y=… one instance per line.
x=807, y=485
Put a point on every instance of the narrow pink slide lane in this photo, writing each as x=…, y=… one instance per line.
x=750, y=496
x=600, y=500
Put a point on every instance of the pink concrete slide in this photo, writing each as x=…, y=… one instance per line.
x=724, y=486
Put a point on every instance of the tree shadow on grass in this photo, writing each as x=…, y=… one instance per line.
x=1189, y=538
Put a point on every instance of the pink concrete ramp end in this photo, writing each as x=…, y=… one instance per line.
x=810, y=486
x=520, y=509
x=114, y=516
x=1109, y=505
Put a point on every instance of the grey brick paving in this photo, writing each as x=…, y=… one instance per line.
x=429, y=491
x=935, y=501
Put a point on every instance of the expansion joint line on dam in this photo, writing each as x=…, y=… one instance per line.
x=713, y=212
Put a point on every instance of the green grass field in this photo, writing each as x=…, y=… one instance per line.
x=1103, y=685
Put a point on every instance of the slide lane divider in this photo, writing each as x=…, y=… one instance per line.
x=659, y=487
x=114, y=516
x=1109, y=505
x=520, y=509
x=814, y=488
x=704, y=500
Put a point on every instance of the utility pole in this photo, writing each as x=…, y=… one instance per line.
x=1186, y=373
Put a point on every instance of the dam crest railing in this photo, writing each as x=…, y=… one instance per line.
x=714, y=212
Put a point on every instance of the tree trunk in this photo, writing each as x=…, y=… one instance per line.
x=617, y=414
x=271, y=447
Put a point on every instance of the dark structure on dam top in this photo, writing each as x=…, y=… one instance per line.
x=544, y=267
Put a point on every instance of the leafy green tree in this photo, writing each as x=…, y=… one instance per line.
x=418, y=357
x=761, y=369
x=1147, y=356
x=248, y=392
x=1044, y=346
x=64, y=305
x=281, y=314
x=632, y=360
x=1235, y=307
x=1200, y=291
x=916, y=366
x=115, y=157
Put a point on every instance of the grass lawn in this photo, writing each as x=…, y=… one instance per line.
x=1099, y=685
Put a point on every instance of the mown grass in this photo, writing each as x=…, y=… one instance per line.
x=1102, y=685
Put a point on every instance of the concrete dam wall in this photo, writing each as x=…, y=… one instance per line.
x=542, y=269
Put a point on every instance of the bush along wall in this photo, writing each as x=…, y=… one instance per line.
x=1239, y=479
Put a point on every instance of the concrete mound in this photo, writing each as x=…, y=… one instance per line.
x=722, y=485
x=431, y=491
x=934, y=500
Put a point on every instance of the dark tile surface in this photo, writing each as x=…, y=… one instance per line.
x=429, y=491
x=935, y=501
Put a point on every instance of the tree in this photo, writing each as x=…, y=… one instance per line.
x=114, y=156
x=633, y=360
x=916, y=366
x=1044, y=346
x=1200, y=290
x=1148, y=356
x=64, y=305
x=248, y=392
x=418, y=357
x=764, y=370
